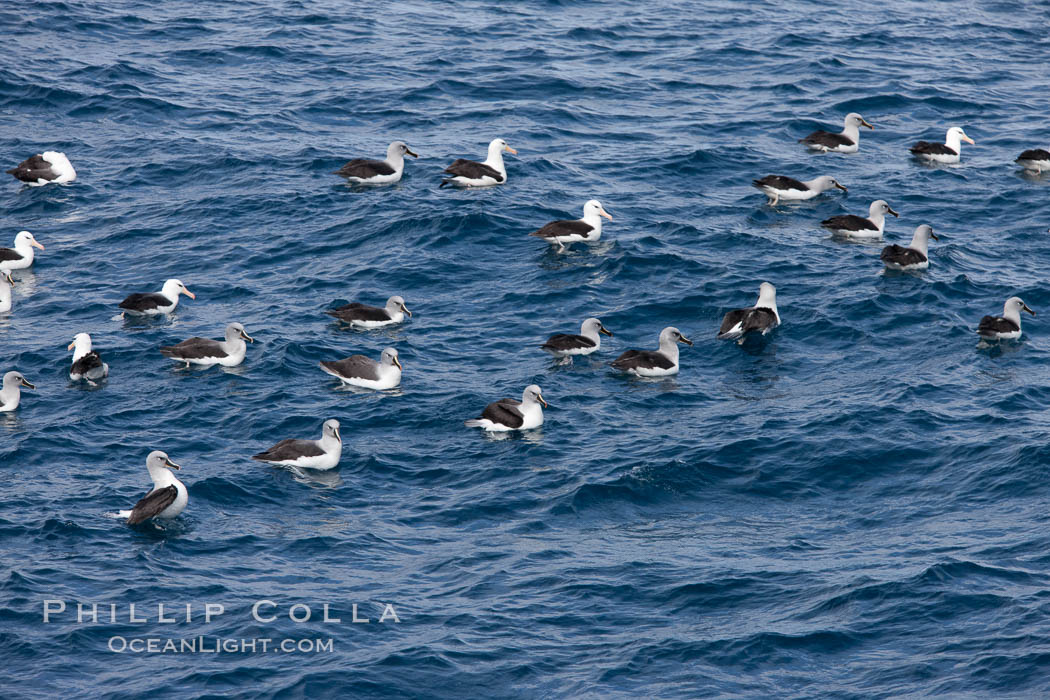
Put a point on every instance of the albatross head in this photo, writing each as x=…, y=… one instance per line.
x=389, y=357
x=593, y=326
x=157, y=461
x=532, y=394
x=395, y=304
x=398, y=150
x=15, y=379
x=955, y=135
x=880, y=208
x=82, y=343
x=497, y=147
x=236, y=330
x=826, y=182
x=855, y=120
x=1014, y=306
x=173, y=288
x=671, y=335
x=5, y=277
x=330, y=429
x=24, y=239
x=594, y=208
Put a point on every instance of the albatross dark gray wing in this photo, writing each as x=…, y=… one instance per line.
x=556, y=229
x=8, y=254
x=634, y=359
x=89, y=365
x=359, y=312
x=925, y=148
x=32, y=169
x=355, y=366
x=566, y=341
x=826, y=139
x=290, y=449
x=780, y=182
x=153, y=504
x=740, y=321
x=1034, y=154
x=365, y=168
x=194, y=349
x=849, y=222
x=145, y=301
x=505, y=412
x=993, y=325
x=473, y=170
x=899, y=255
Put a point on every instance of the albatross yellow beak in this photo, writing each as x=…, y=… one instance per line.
x=398, y=363
x=539, y=397
x=864, y=122
x=72, y=345
x=39, y=245
x=508, y=149
x=171, y=465
x=188, y=293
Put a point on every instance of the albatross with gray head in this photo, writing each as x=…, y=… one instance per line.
x=168, y=497
x=11, y=391
x=364, y=171
x=207, y=352
x=358, y=370
x=662, y=362
x=307, y=454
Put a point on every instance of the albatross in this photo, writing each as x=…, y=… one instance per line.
x=915, y=256
x=21, y=256
x=207, y=352
x=309, y=454
x=1035, y=159
x=857, y=226
x=509, y=414
x=654, y=363
x=588, y=229
x=846, y=142
x=566, y=345
x=469, y=173
x=364, y=316
x=43, y=168
x=947, y=152
x=156, y=303
x=166, y=499
x=1007, y=326
x=778, y=187
x=6, y=282
x=364, y=171
x=761, y=318
x=358, y=370
x=11, y=391
x=87, y=364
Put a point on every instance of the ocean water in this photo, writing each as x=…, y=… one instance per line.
x=855, y=507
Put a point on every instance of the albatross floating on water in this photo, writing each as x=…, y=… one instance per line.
x=21, y=256
x=11, y=391
x=6, y=282
x=565, y=345
x=308, y=454
x=915, y=256
x=156, y=303
x=364, y=316
x=363, y=171
x=166, y=499
x=508, y=414
x=654, y=363
x=469, y=173
x=49, y=166
x=947, y=152
x=762, y=317
x=588, y=229
x=779, y=187
x=1007, y=326
x=87, y=364
x=207, y=352
x=358, y=370
x=1035, y=159
x=857, y=226
x=846, y=142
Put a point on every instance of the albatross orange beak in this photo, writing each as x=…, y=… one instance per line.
x=508, y=149
x=188, y=293
x=72, y=345
x=605, y=214
x=37, y=244
x=967, y=139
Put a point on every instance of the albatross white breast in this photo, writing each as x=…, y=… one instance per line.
x=855, y=226
x=44, y=168
x=654, y=363
x=469, y=173
x=846, y=142
x=6, y=282
x=588, y=229
x=761, y=318
x=168, y=497
x=363, y=171
x=307, y=454
x=358, y=370
x=11, y=391
x=508, y=414
x=778, y=187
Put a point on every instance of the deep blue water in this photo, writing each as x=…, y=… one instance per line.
x=855, y=508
